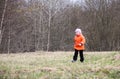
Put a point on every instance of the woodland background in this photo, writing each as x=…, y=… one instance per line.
x=48, y=25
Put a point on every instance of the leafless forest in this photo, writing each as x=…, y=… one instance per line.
x=48, y=25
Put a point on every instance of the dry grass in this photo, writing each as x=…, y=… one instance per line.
x=58, y=65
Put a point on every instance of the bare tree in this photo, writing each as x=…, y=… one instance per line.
x=2, y=20
x=33, y=25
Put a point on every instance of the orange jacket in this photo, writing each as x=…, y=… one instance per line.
x=79, y=41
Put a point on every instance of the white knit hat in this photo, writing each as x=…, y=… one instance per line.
x=78, y=31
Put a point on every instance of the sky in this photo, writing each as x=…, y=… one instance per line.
x=76, y=1
x=70, y=0
x=73, y=1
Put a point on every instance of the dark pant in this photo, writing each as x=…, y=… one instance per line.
x=76, y=55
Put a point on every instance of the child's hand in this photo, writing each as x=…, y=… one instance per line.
x=81, y=44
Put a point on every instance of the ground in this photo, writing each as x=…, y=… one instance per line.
x=58, y=65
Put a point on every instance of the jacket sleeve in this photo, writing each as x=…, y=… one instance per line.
x=83, y=40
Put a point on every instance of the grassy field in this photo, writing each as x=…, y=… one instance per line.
x=58, y=65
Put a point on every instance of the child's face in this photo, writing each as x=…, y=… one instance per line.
x=77, y=33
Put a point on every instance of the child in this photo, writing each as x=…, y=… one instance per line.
x=79, y=42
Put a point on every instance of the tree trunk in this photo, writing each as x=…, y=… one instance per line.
x=49, y=25
x=9, y=37
x=1, y=24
